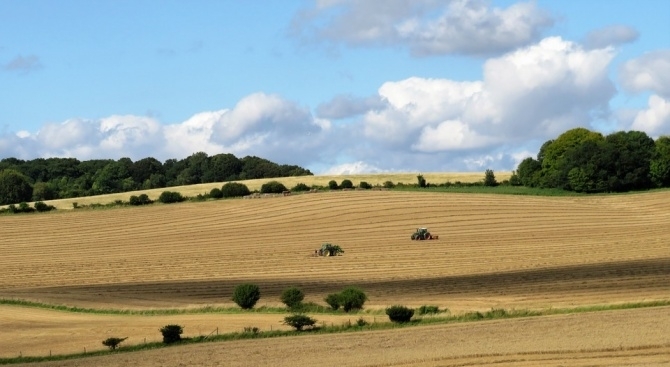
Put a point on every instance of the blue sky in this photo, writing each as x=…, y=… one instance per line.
x=337, y=86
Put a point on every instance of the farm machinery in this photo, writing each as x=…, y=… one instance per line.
x=423, y=234
x=328, y=249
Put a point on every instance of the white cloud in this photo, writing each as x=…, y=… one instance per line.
x=649, y=72
x=352, y=169
x=613, y=35
x=655, y=120
x=425, y=27
x=536, y=92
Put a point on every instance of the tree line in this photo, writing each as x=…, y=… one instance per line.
x=581, y=160
x=59, y=178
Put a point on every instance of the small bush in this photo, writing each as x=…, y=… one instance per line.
x=361, y=322
x=252, y=330
x=112, y=343
x=24, y=208
x=142, y=199
x=388, y=184
x=234, y=189
x=42, y=207
x=364, y=185
x=292, y=297
x=490, y=178
x=299, y=321
x=332, y=184
x=171, y=333
x=426, y=310
x=352, y=299
x=333, y=300
x=246, y=295
x=75, y=205
x=300, y=187
x=421, y=181
x=400, y=314
x=168, y=197
x=347, y=184
x=216, y=193
x=273, y=187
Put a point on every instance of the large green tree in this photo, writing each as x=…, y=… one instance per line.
x=14, y=187
x=659, y=168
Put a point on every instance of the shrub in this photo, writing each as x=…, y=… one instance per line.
x=252, y=330
x=42, y=207
x=347, y=184
x=352, y=299
x=112, y=343
x=361, y=322
x=273, y=187
x=143, y=199
x=490, y=178
x=216, y=193
x=168, y=197
x=299, y=321
x=171, y=333
x=421, y=181
x=400, y=314
x=332, y=184
x=292, y=297
x=234, y=189
x=333, y=300
x=364, y=185
x=246, y=295
x=425, y=310
x=300, y=187
x=389, y=184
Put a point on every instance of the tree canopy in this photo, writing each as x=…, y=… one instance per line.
x=56, y=178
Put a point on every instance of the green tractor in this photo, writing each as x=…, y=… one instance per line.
x=423, y=234
x=328, y=249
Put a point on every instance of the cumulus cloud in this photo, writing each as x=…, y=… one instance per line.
x=345, y=106
x=425, y=27
x=23, y=65
x=613, y=35
x=260, y=124
x=649, y=72
x=655, y=120
x=353, y=168
x=533, y=93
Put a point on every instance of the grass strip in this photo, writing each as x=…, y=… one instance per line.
x=493, y=314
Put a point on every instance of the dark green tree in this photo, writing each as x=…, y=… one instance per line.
x=490, y=178
x=171, y=333
x=292, y=297
x=234, y=189
x=14, y=187
x=352, y=298
x=246, y=295
x=659, y=168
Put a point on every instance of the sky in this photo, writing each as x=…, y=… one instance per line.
x=335, y=86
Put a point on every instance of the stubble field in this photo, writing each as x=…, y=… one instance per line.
x=494, y=251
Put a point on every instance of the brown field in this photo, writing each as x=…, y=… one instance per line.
x=493, y=251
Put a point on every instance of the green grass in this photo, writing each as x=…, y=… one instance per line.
x=310, y=308
x=348, y=326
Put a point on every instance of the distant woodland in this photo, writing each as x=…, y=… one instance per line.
x=56, y=178
x=585, y=161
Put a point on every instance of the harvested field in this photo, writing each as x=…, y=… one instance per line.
x=494, y=251
x=613, y=338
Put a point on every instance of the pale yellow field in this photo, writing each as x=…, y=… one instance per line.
x=289, y=182
x=493, y=251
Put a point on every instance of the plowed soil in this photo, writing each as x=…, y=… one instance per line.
x=493, y=251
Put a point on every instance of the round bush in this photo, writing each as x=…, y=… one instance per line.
x=234, y=189
x=215, y=193
x=389, y=184
x=273, y=187
x=332, y=184
x=292, y=297
x=364, y=185
x=246, y=295
x=400, y=314
x=171, y=333
x=347, y=184
x=333, y=300
x=300, y=187
x=168, y=197
x=352, y=299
